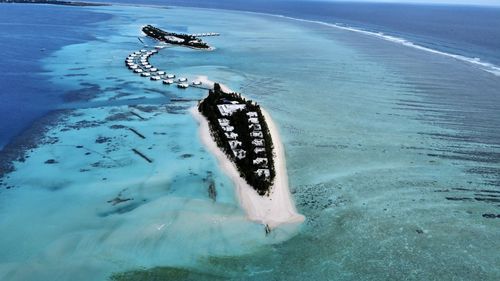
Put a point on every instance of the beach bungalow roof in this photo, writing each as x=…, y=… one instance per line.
x=263, y=172
x=174, y=39
x=223, y=121
x=239, y=153
x=253, y=120
x=255, y=127
x=228, y=128
x=257, y=134
x=260, y=161
x=229, y=109
x=234, y=143
x=252, y=114
x=231, y=135
x=259, y=150
x=258, y=142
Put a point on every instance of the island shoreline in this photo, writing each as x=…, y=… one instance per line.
x=271, y=210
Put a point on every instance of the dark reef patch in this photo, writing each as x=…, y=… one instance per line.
x=51, y=161
x=88, y=92
x=29, y=139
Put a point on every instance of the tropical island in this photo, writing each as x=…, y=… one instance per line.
x=187, y=40
x=243, y=138
x=54, y=2
x=240, y=130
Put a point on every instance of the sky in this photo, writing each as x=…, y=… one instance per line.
x=463, y=2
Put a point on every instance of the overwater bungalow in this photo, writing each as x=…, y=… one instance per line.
x=196, y=83
x=168, y=81
x=145, y=74
x=138, y=70
x=170, y=76
x=161, y=72
x=183, y=85
x=155, y=78
x=153, y=69
x=182, y=79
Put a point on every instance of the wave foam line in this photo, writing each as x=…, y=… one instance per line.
x=486, y=66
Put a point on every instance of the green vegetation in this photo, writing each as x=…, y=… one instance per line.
x=240, y=121
x=175, y=38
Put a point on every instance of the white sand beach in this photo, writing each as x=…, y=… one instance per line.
x=276, y=208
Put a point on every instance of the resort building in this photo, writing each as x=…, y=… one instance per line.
x=234, y=144
x=183, y=85
x=258, y=142
x=257, y=134
x=231, y=135
x=229, y=109
x=259, y=150
x=252, y=114
x=263, y=172
x=255, y=127
x=223, y=122
x=253, y=120
x=239, y=153
x=174, y=39
x=227, y=128
x=260, y=161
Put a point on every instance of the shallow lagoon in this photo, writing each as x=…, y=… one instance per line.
x=372, y=136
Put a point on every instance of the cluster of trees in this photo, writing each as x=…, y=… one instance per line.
x=189, y=40
x=239, y=120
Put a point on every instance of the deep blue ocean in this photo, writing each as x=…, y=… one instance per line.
x=29, y=33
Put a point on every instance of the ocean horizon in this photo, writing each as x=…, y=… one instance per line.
x=388, y=116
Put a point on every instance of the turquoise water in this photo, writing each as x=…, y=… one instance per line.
x=377, y=137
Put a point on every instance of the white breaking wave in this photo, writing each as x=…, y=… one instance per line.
x=486, y=66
